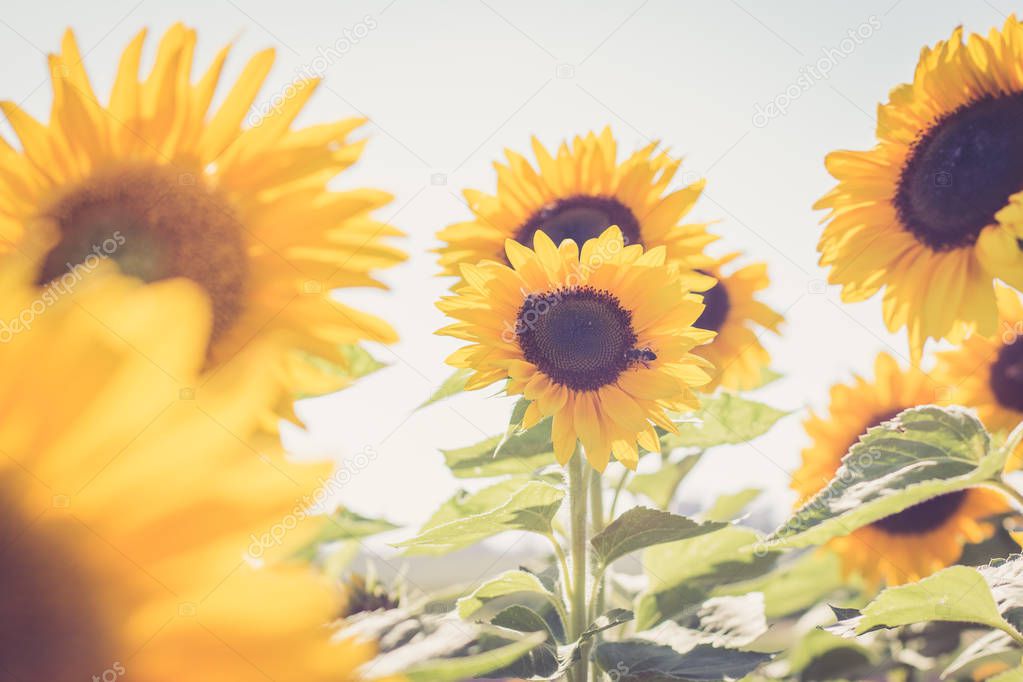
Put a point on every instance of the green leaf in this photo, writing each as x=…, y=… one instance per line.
x=359, y=361
x=728, y=507
x=636, y=660
x=642, y=527
x=463, y=667
x=820, y=655
x=531, y=508
x=768, y=376
x=464, y=504
x=509, y=583
x=956, y=594
x=518, y=453
x=724, y=419
x=660, y=486
x=729, y=622
x=922, y=453
x=796, y=586
x=343, y=524
x=453, y=385
x=684, y=573
x=541, y=661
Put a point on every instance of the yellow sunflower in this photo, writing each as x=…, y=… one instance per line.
x=734, y=313
x=986, y=372
x=127, y=509
x=919, y=214
x=919, y=540
x=597, y=338
x=577, y=195
x=166, y=186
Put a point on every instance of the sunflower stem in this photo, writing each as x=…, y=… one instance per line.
x=597, y=521
x=1010, y=492
x=578, y=506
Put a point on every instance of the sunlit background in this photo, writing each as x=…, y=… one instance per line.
x=448, y=85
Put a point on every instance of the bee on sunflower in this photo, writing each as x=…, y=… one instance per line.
x=598, y=338
x=166, y=186
x=917, y=541
x=986, y=372
x=733, y=311
x=577, y=194
x=930, y=214
x=127, y=508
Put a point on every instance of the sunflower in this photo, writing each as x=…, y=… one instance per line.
x=577, y=195
x=127, y=509
x=734, y=313
x=598, y=339
x=922, y=214
x=166, y=186
x=986, y=372
x=919, y=540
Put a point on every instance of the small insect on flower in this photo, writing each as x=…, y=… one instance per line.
x=641, y=355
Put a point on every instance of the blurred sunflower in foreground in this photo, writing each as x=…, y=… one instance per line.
x=600, y=339
x=576, y=195
x=166, y=187
x=734, y=313
x=929, y=214
x=127, y=509
x=986, y=372
x=919, y=540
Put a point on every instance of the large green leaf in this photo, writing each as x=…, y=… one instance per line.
x=729, y=506
x=520, y=452
x=956, y=594
x=636, y=660
x=642, y=527
x=508, y=584
x=730, y=622
x=797, y=585
x=724, y=419
x=453, y=385
x=922, y=453
x=464, y=504
x=531, y=508
x=684, y=573
x=820, y=655
x=660, y=485
x=462, y=667
x=342, y=525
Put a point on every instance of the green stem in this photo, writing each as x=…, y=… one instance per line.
x=618, y=493
x=1009, y=492
x=578, y=507
x=597, y=520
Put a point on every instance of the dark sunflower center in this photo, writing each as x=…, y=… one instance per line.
x=155, y=224
x=51, y=620
x=717, y=304
x=923, y=517
x=578, y=337
x=1007, y=376
x=580, y=218
x=962, y=171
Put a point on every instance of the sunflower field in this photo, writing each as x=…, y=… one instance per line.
x=525, y=394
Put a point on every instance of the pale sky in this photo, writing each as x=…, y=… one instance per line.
x=448, y=85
